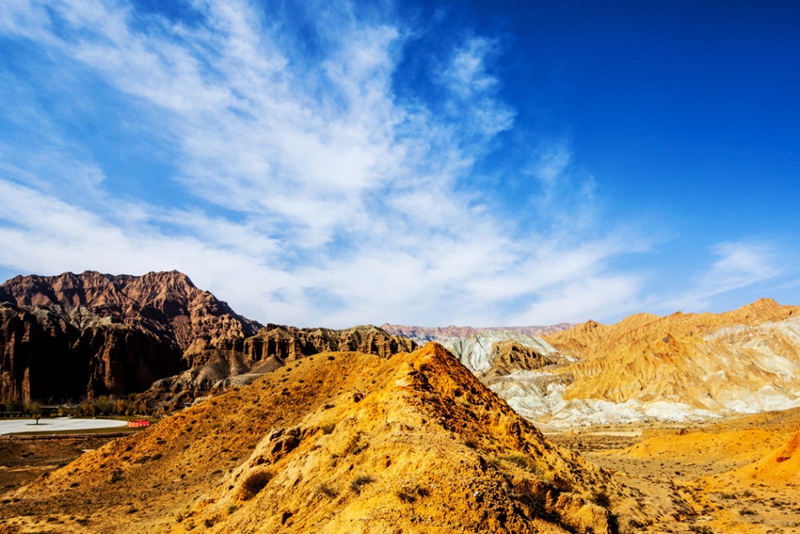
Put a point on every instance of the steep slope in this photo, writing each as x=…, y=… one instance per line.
x=336, y=442
x=57, y=354
x=67, y=336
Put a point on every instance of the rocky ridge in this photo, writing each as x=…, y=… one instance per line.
x=216, y=368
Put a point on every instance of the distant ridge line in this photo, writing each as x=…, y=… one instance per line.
x=452, y=331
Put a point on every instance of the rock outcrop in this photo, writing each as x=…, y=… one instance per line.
x=165, y=303
x=68, y=336
x=52, y=354
x=510, y=356
x=479, y=352
x=287, y=343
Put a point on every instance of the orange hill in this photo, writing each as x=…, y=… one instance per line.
x=746, y=360
x=336, y=442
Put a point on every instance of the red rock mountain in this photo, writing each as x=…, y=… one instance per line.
x=66, y=336
x=165, y=303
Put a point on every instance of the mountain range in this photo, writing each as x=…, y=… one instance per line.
x=162, y=338
x=84, y=335
x=276, y=428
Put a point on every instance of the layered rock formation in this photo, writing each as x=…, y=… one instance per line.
x=645, y=368
x=56, y=354
x=167, y=304
x=339, y=442
x=69, y=336
x=480, y=352
x=682, y=366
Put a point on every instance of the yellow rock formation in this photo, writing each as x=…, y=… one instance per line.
x=746, y=360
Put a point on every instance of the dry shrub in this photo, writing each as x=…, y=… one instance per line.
x=327, y=490
x=409, y=494
x=361, y=480
x=253, y=484
x=328, y=427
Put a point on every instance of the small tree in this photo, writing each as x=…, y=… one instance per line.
x=35, y=409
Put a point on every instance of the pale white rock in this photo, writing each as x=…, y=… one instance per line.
x=735, y=370
x=475, y=352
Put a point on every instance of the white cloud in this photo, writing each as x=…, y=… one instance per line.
x=330, y=202
x=738, y=265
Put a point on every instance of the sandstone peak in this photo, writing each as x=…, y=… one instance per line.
x=682, y=366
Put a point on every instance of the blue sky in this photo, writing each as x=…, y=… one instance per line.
x=340, y=163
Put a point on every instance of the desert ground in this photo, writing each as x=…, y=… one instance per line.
x=685, y=478
x=699, y=477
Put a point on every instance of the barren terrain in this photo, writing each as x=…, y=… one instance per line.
x=345, y=442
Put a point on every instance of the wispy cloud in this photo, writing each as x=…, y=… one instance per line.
x=737, y=265
x=314, y=196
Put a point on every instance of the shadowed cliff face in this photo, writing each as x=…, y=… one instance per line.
x=67, y=336
x=53, y=355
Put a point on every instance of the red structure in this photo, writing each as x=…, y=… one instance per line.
x=138, y=423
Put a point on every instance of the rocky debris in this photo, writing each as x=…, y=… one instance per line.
x=68, y=336
x=336, y=442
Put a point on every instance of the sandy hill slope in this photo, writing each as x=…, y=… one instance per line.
x=681, y=366
x=737, y=475
x=215, y=367
x=335, y=442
